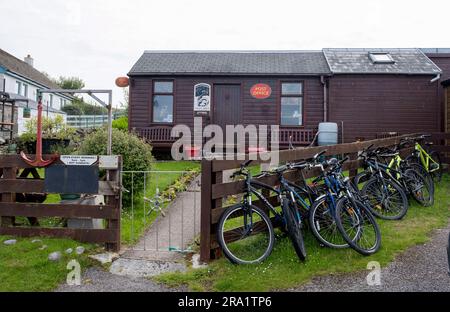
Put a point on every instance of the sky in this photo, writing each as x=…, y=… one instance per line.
x=100, y=40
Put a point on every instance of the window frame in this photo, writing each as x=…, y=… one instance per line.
x=154, y=93
x=18, y=87
x=24, y=90
x=301, y=96
x=372, y=57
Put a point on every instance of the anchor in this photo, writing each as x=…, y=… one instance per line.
x=39, y=161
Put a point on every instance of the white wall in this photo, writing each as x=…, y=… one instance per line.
x=11, y=87
x=33, y=113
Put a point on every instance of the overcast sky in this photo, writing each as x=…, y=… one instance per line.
x=99, y=40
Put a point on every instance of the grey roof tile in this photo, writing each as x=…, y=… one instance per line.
x=21, y=68
x=353, y=61
x=231, y=62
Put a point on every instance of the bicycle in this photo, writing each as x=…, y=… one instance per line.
x=245, y=232
x=353, y=218
x=386, y=198
x=429, y=160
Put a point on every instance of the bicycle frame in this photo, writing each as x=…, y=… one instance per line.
x=425, y=158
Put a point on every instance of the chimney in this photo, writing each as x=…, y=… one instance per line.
x=29, y=60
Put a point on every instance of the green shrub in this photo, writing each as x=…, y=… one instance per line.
x=121, y=123
x=136, y=155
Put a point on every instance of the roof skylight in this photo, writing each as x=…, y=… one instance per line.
x=381, y=58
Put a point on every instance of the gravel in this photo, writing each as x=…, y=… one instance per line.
x=98, y=280
x=422, y=268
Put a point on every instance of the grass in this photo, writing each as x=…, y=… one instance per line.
x=26, y=268
x=283, y=270
x=134, y=219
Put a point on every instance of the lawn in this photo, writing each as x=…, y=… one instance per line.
x=283, y=270
x=24, y=267
x=163, y=175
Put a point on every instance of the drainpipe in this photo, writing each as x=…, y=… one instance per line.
x=325, y=98
x=438, y=76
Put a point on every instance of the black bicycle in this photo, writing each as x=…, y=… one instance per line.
x=245, y=232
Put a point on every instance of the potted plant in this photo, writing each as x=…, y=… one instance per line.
x=55, y=135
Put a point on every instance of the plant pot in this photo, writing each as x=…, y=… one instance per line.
x=48, y=145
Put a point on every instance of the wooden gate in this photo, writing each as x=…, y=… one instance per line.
x=22, y=194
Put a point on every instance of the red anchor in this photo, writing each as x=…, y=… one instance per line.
x=39, y=161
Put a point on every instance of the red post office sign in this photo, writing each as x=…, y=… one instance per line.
x=261, y=91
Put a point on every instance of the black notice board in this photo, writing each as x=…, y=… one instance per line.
x=64, y=179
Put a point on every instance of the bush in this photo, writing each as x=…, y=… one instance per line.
x=121, y=123
x=136, y=155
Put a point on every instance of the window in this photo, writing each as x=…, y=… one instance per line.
x=163, y=101
x=381, y=58
x=25, y=90
x=51, y=100
x=291, y=104
x=18, y=87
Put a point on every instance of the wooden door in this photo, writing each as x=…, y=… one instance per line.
x=227, y=105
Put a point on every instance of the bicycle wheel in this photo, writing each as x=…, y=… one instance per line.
x=358, y=226
x=419, y=187
x=245, y=234
x=293, y=225
x=419, y=168
x=436, y=173
x=323, y=223
x=387, y=199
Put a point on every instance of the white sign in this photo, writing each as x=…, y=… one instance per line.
x=108, y=162
x=78, y=160
x=202, y=97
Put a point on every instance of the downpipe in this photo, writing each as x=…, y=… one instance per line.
x=448, y=254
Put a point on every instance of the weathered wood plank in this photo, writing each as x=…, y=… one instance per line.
x=59, y=210
x=82, y=235
x=37, y=186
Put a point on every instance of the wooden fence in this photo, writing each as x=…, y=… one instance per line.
x=22, y=193
x=215, y=190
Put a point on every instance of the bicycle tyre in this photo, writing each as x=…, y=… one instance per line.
x=320, y=214
x=414, y=179
x=364, y=216
x=384, y=204
x=294, y=228
x=238, y=209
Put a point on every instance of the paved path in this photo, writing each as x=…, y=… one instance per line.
x=420, y=268
x=175, y=231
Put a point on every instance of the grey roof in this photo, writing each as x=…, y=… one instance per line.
x=231, y=63
x=436, y=50
x=354, y=61
x=13, y=64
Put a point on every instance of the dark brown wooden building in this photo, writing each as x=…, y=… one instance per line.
x=368, y=92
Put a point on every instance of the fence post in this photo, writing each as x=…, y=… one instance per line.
x=205, y=214
x=8, y=173
x=114, y=176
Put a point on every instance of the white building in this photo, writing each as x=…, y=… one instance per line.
x=21, y=81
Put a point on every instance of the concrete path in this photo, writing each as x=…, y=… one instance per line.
x=174, y=232
x=420, y=268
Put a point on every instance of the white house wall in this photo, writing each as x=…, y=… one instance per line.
x=11, y=87
x=33, y=113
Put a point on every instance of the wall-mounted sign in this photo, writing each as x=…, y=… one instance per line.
x=202, y=97
x=261, y=91
x=78, y=160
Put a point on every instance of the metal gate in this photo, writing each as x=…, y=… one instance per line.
x=160, y=213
